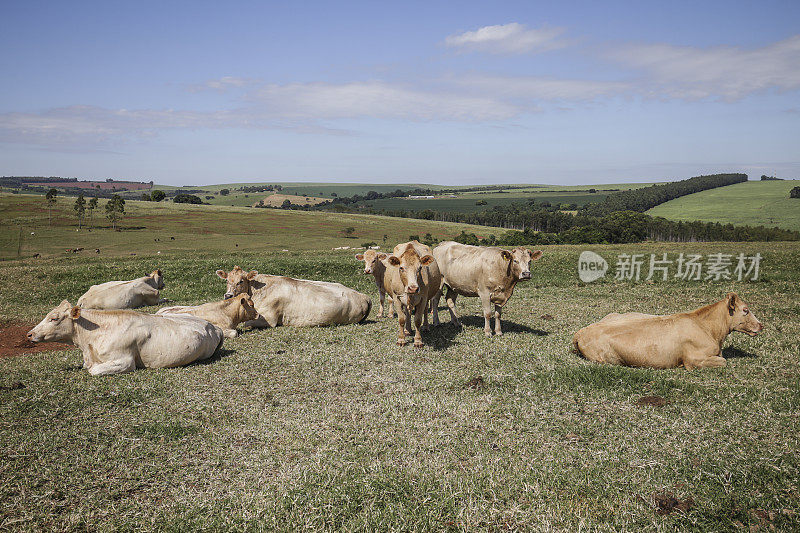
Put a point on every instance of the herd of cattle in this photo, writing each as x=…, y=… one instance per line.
x=114, y=339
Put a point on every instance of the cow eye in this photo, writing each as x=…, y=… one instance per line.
x=53, y=319
x=402, y=269
x=746, y=311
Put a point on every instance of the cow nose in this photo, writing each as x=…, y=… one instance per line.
x=525, y=275
x=30, y=335
x=367, y=271
x=412, y=289
x=760, y=326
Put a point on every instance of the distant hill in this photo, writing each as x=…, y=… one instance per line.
x=753, y=203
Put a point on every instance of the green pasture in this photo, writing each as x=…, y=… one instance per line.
x=753, y=203
x=338, y=428
x=149, y=227
x=467, y=203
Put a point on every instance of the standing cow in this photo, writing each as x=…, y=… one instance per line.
x=489, y=273
x=119, y=341
x=296, y=302
x=373, y=265
x=414, y=281
x=124, y=294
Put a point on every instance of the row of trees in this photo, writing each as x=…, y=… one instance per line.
x=114, y=208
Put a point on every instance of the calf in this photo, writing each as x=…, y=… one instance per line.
x=124, y=294
x=414, y=281
x=489, y=273
x=226, y=314
x=119, y=341
x=692, y=339
x=373, y=265
x=296, y=302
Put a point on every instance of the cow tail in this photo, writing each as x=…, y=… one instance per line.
x=369, y=308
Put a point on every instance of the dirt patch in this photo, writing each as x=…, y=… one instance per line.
x=13, y=341
x=655, y=401
x=667, y=503
x=547, y=317
x=276, y=200
x=476, y=383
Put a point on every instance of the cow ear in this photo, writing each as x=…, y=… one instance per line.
x=359, y=257
x=222, y=274
x=426, y=260
x=382, y=256
x=731, y=297
x=506, y=255
x=158, y=272
x=394, y=261
x=535, y=254
x=75, y=313
x=252, y=274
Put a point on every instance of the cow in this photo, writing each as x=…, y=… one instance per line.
x=373, y=265
x=124, y=294
x=225, y=314
x=117, y=341
x=487, y=272
x=414, y=282
x=280, y=300
x=693, y=339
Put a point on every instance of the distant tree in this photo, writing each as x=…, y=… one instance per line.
x=795, y=193
x=385, y=238
x=413, y=238
x=369, y=244
x=146, y=197
x=481, y=202
x=348, y=232
x=80, y=209
x=51, y=196
x=91, y=206
x=115, y=209
x=593, y=191
x=334, y=195
x=287, y=204
x=224, y=192
x=187, y=199
x=157, y=195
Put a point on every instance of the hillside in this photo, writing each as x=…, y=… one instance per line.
x=149, y=227
x=753, y=203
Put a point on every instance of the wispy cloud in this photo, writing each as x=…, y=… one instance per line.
x=539, y=89
x=513, y=38
x=724, y=72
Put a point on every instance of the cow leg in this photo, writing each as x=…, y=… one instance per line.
x=391, y=307
x=486, y=303
x=704, y=361
x=425, y=325
x=498, y=311
x=401, y=321
x=382, y=297
x=450, y=298
x=126, y=363
x=230, y=333
x=419, y=316
x=434, y=303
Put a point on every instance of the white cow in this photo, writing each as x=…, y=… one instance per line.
x=119, y=341
x=124, y=294
x=226, y=314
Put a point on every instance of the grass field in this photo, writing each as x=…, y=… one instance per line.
x=149, y=227
x=754, y=203
x=339, y=429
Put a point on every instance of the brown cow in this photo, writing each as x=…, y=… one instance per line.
x=692, y=339
x=414, y=281
x=373, y=265
x=226, y=314
x=488, y=272
x=296, y=302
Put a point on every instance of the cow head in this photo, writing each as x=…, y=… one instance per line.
x=519, y=260
x=371, y=260
x=246, y=308
x=158, y=278
x=58, y=325
x=238, y=281
x=742, y=319
x=410, y=266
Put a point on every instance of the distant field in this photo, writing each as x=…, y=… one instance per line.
x=148, y=227
x=754, y=203
x=466, y=203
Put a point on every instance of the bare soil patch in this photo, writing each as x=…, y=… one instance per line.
x=13, y=341
x=276, y=200
x=655, y=401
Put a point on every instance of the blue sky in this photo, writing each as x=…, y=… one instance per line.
x=431, y=92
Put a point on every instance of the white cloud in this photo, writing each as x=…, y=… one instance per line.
x=541, y=88
x=513, y=38
x=725, y=72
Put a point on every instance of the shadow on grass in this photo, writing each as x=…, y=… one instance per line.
x=219, y=354
x=507, y=325
x=440, y=337
x=735, y=353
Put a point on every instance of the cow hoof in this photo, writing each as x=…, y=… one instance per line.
x=418, y=344
x=488, y=334
x=401, y=343
x=498, y=334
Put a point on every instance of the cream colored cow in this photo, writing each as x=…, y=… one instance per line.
x=116, y=341
x=225, y=314
x=124, y=294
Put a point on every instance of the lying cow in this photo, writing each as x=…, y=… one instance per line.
x=119, y=341
x=296, y=302
x=692, y=339
x=124, y=294
x=373, y=265
x=489, y=272
x=414, y=282
x=226, y=314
